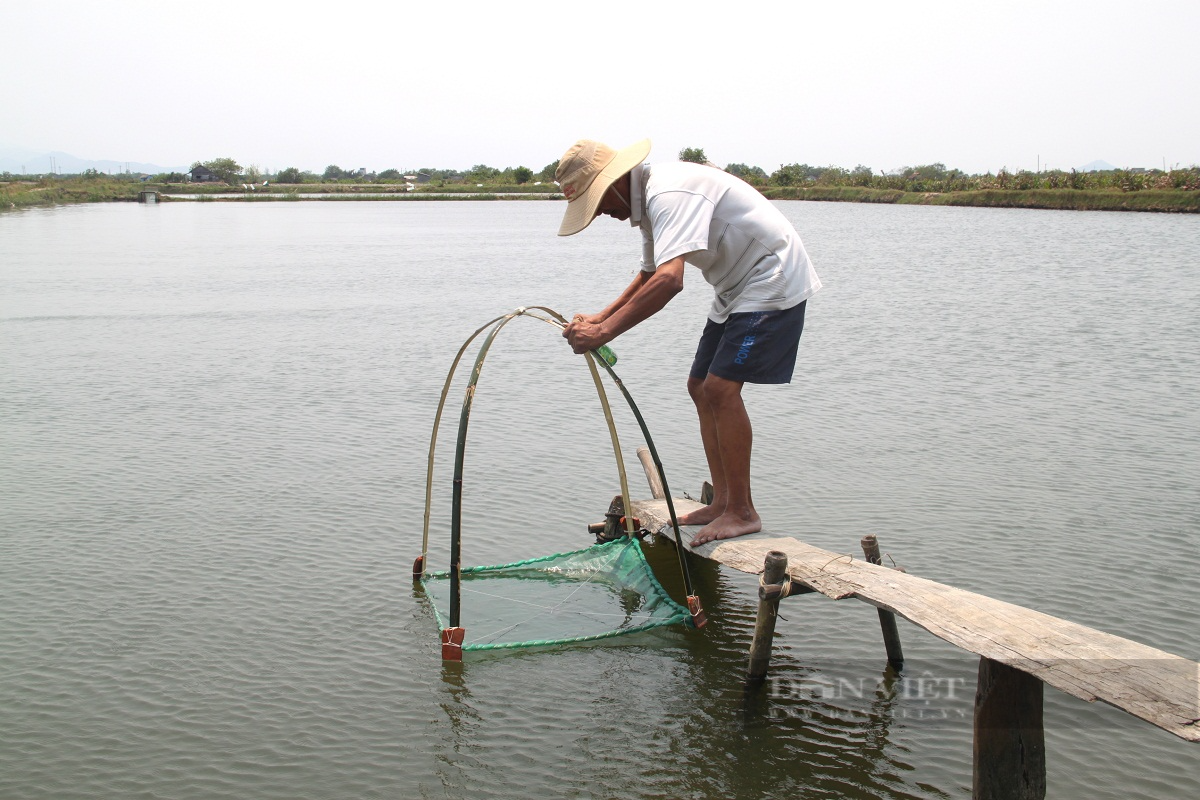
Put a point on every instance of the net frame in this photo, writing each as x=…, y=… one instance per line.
x=452, y=635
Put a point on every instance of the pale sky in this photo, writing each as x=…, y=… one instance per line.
x=977, y=86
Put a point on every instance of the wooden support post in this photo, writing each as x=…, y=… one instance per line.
x=652, y=476
x=774, y=572
x=1010, y=745
x=887, y=620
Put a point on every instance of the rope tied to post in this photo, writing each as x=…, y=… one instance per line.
x=774, y=591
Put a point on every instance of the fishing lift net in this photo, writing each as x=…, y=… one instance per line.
x=598, y=592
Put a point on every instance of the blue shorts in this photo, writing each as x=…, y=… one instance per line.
x=754, y=347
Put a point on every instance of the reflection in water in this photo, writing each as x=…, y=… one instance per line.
x=702, y=735
x=453, y=749
x=456, y=703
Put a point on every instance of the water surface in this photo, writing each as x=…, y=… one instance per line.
x=216, y=424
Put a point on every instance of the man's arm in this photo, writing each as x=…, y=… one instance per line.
x=642, y=299
x=630, y=290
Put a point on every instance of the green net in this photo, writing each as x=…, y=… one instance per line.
x=599, y=592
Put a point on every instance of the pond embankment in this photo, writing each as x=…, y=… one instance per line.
x=61, y=191
x=1166, y=200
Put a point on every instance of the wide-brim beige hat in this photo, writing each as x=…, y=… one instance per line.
x=584, y=174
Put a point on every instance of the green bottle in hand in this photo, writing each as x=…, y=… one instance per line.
x=606, y=353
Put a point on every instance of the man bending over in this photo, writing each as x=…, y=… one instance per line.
x=758, y=268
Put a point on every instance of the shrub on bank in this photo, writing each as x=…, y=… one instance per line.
x=55, y=191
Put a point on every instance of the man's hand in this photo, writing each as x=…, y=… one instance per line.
x=584, y=335
x=594, y=319
x=643, y=298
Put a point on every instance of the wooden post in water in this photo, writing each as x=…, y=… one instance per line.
x=770, y=590
x=652, y=476
x=1010, y=744
x=887, y=620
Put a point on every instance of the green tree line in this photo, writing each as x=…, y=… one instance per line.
x=936, y=177
x=478, y=174
x=926, y=178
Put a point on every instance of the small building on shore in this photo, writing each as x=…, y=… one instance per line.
x=202, y=174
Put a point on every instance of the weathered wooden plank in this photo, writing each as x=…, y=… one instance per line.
x=1156, y=686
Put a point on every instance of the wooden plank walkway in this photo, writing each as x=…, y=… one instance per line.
x=1156, y=686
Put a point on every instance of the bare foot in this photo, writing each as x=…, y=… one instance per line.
x=727, y=526
x=702, y=516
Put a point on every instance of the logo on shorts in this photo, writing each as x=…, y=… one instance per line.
x=744, y=350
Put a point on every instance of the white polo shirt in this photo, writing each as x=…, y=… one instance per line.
x=744, y=246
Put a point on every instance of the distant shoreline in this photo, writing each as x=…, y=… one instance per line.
x=30, y=194
x=1158, y=200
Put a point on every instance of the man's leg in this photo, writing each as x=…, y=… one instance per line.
x=756, y=346
x=712, y=453
x=734, y=439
